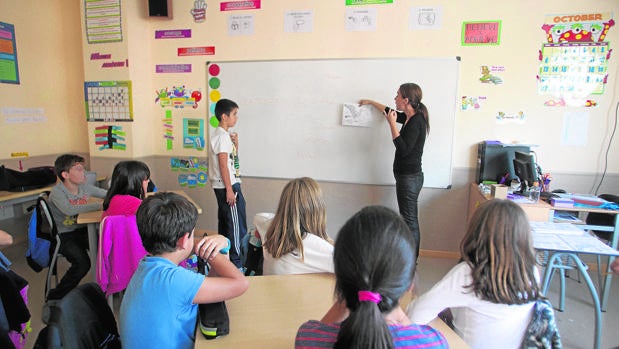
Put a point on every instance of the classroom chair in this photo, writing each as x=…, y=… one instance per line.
x=46, y=228
x=119, y=254
x=80, y=320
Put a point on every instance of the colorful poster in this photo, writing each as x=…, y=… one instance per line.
x=481, y=33
x=9, y=71
x=108, y=101
x=103, y=21
x=367, y=2
x=193, y=134
x=178, y=97
x=574, y=59
x=110, y=137
x=168, y=130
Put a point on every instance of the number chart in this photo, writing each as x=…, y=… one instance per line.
x=108, y=101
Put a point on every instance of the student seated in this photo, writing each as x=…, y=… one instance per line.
x=160, y=305
x=129, y=185
x=375, y=263
x=491, y=293
x=296, y=241
x=70, y=197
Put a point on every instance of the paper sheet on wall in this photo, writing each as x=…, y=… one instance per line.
x=575, y=129
x=356, y=115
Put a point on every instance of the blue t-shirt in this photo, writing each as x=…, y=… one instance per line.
x=157, y=309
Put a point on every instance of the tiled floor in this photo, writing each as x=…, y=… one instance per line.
x=575, y=324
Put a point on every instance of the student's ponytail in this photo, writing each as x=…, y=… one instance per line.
x=368, y=280
x=365, y=327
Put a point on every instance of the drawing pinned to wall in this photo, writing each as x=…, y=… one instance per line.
x=517, y=117
x=103, y=21
x=241, y=25
x=488, y=77
x=472, y=103
x=356, y=115
x=214, y=95
x=299, y=21
x=425, y=18
x=574, y=60
x=481, y=33
x=193, y=134
x=198, y=12
x=110, y=137
x=108, y=101
x=178, y=97
x=360, y=19
x=168, y=130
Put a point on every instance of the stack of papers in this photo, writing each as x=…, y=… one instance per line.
x=562, y=202
x=555, y=228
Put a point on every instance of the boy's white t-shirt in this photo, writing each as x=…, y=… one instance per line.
x=221, y=143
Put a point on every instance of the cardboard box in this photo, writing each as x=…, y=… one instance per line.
x=498, y=191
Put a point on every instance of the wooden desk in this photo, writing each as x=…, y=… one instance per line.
x=269, y=314
x=16, y=197
x=93, y=218
x=537, y=212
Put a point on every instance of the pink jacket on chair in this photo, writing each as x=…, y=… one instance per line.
x=120, y=252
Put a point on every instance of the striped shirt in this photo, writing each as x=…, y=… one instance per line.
x=315, y=334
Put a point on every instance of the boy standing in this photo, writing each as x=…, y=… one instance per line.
x=68, y=198
x=164, y=293
x=226, y=178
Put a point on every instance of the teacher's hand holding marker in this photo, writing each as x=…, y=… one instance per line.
x=409, y=141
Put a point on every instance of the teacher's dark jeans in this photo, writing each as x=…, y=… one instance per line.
x=407, y=188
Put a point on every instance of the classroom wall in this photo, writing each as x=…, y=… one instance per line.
x=442, y=212
x=49, y=54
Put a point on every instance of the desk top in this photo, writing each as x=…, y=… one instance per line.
x=10, y=195
x=271, y=311
x=95, y=216
x=567, y=237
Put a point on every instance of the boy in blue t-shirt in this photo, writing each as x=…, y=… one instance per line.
x=160, y=305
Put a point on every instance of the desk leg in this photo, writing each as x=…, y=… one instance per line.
x=555, y=262
x=608, y=280
x=92, y=247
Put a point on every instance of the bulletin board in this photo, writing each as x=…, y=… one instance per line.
x=290, y=116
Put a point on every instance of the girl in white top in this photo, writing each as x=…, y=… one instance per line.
x=491, y=293
x=296, y=241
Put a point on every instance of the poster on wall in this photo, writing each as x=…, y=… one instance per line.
x=108, y=101
x=574, y=59
x=481, y=33
x=110, y=137
x=193, y=134
x=103, y=21
x=9, y=71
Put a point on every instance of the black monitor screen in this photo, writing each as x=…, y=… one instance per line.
x=525, y=168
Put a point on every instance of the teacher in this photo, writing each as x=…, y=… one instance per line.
x=409, y=141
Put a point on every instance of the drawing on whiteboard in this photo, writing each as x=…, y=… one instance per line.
x=356, y=115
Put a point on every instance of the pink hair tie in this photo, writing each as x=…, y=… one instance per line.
x=368, y=296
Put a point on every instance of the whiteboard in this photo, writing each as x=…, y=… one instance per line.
x=290, y=116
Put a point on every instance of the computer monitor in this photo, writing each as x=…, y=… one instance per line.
x=525, y=169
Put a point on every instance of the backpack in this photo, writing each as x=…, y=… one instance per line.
x=41, y=243
x=34, y=178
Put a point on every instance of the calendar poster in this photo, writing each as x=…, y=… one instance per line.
x=108, y=101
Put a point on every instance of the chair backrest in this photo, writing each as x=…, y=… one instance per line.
x=119, y=254
x=82, y=319
x=594, y=218
x=45, y=220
